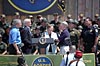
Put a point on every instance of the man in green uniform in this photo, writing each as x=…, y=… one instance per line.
x=74, y=33
x=3, y=46
x=98, y=52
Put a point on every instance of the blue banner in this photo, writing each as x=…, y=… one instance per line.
x=31, y=6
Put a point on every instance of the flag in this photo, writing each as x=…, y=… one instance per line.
x=61, y=4
x=24, y=7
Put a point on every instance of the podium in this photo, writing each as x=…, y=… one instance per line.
x=42, y=43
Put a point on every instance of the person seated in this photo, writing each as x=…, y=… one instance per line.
x=3, y=46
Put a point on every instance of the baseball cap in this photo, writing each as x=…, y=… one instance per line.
x=17, y=13
x=78, y=54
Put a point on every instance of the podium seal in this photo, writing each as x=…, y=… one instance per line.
x=42, y=40
x=42, y=61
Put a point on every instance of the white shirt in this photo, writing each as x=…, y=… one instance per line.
x=54, y=47
x=80, y=63
x=53, y=35
x=70, y=57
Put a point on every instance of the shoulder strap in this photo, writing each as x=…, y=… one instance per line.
x=71, y=62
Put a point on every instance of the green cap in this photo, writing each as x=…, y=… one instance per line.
x=70, y=21
x=73, y=21
x=17, y=13
x=80, y=27
x=69, y=15
x=76, y=22
x=44, y=20
x=98, y=19
x=96, y=15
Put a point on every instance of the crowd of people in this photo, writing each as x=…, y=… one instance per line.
x=82, y=33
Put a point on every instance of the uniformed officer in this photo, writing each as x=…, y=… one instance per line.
x=74, y=33
x=3, y=22
x=95, y=19
x=81, y=19
x=55, y=22
x=3, y=46
x=32, y=21
x=39, y=19
x=69, y=16
x=16, y=16
x=89, y=36
x=98, y=52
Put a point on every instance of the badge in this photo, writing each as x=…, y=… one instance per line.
x=91, y=30
x=42, y=40
x=96, y=30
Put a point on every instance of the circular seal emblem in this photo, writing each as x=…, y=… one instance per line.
x=32, y=6
x=42, y=61
x=42, y=40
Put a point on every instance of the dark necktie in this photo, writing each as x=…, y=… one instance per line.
x=50, y=48
x=77, y=63
x=30, y=31
x=67, y=60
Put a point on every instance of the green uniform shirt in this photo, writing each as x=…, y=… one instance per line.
x=3, y=47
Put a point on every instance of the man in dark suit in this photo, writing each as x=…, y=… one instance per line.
x=64, y=38
x=27, y=37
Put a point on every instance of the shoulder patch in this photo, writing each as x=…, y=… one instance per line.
x=96, y=30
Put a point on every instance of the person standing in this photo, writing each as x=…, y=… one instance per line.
x=27, y=37
x=55, y=22
x=51, y=48
x=64, y=38
x=15, y=38
x=74, y=33
x=89, y=37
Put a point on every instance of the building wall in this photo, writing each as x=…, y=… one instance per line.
x=0, y=6
x=87, y=7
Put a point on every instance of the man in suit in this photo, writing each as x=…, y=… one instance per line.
x=27, y=37
x=64, y=38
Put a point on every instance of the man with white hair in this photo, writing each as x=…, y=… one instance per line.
x=27, y=37
x=15, y=38
x=64, y=39
x=69, y=56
